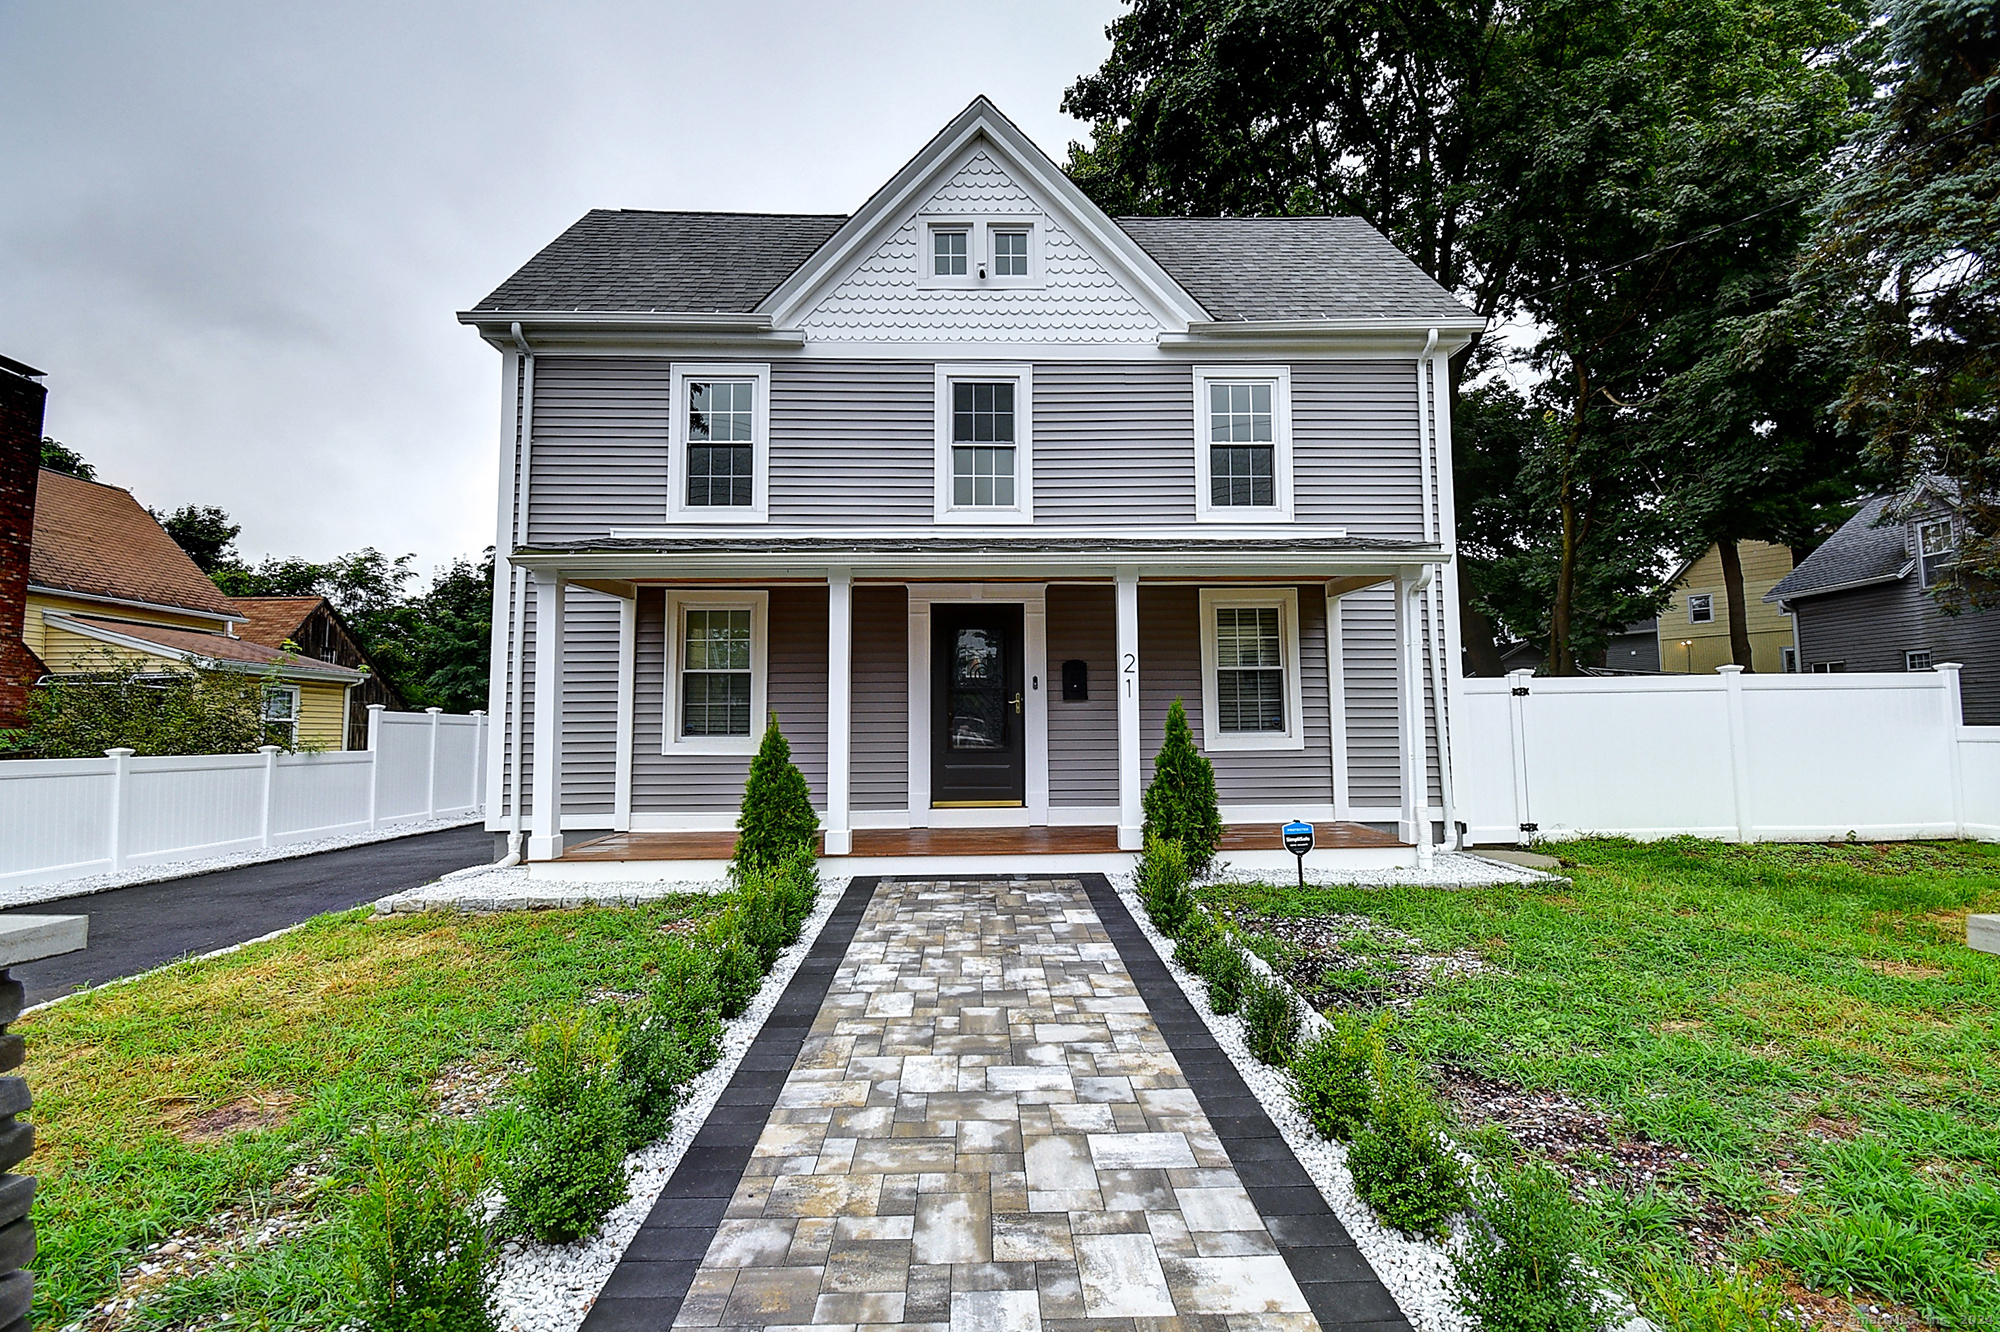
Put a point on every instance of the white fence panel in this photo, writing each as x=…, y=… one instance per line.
x=1678, y=783
x=71, y=818
x=1979, y=764
x=1865, y=754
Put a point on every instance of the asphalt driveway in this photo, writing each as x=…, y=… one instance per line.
x=139, y=928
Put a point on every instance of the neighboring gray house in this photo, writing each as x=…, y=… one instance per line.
x=1633, y=650
x=967, y=488
x=1862, y=602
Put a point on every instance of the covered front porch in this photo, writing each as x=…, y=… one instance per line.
x=963, y=703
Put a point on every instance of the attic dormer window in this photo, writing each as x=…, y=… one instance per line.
x=1937, y=544
x=974, y=253
x=948, y=252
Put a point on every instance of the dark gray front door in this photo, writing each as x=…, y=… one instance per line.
x=977, y=749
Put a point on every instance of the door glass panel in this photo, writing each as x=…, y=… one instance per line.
x=978, y=719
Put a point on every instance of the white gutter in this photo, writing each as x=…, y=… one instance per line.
x=43, y=589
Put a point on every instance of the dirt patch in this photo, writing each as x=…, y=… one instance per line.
x=683, y=927
x=1826, y=1129
x=467, y=1089
x=1354, y=962
x=245, y=1114
x=1906, y=970
x=1686, y=1024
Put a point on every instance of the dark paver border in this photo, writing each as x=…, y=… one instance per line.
x=1342, y=1289
x=645, y=1290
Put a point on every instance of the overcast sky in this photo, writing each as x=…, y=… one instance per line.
x=235, y=235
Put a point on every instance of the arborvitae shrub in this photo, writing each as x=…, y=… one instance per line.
x=422, y=1258
x=1180, y=803
x=1333, y=1076
x=1523, y=1267
x=568, y=1171
x=1228, y=973
x=1401, y=1163
x=777, y=818
x=1271, y=1019
x=1163, y=886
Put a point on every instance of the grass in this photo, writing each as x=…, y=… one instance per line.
x=1804, y=1021
x=240, y=1083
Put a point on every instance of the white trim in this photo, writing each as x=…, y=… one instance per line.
x=1217, y=535
x=1336, y=697
x=545, y=840
x=758, y=510
x=1280, y=379
x=1033, y=600
x=43, y=590
x=839, y=712
x=1022, y=376
x=621, y=781
x=1286, y=599
x=680, y=600
x=147, y=647
x=1125, y=669
x=978, y=231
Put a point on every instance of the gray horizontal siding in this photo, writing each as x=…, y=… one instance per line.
x=1870, y=628
x=600, y=446
x=713, y=783
x=1355, y=460
x=1113, y=443
x=590, y=706
x=880, y=776
x=853, y=442
x=1083, y=736
x=1368, y=665
x=1170, y=667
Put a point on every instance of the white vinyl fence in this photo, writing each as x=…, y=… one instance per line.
x=70, y=818
x=1741, y=757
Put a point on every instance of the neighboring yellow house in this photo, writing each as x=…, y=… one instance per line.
x=107, y=584
x=1694, y=628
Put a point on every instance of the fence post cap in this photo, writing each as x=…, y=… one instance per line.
x=270, y=749
x=477, y=712
x=1731, y=669
x=1947, y=666
x=120, y=753
x=434, y=711
x=377, y=707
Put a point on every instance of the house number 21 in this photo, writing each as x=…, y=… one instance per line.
x=1131, y=674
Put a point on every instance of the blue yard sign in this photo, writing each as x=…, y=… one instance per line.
x=1298, y=838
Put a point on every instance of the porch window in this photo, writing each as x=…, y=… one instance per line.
x=984, y=444
x=281, y=715
x=1243, y=454
x=716, y=671
x=718, y=453
x=1250, y=669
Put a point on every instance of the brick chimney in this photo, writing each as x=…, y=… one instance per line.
x=21, y=399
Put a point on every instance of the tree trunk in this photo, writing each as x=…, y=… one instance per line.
x=1482, y=654
x=1561, y=661
x=1739, y=615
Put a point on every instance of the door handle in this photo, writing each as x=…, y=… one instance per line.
x=1017, y=704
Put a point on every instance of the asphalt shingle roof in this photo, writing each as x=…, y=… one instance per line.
x=1291, y=268
x=1238, y=268
x=96, y=540
x=1859, y=551
x=637, y=262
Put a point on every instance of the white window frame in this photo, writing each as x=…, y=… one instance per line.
x=1707, y=600
x=1788, y=659
x=1286, y=599
x=1022, y=376
x=1910, y=662
x=979, y=274
x=679, y=603
x=758, y=510
x=267, y=723
x=1927, y=574
x=1280, y=379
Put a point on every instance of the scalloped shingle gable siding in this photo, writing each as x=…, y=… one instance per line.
x=1079, y=302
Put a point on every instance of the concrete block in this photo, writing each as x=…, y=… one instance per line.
x=1524, y=859
x=29, y=938
x=1983, y=933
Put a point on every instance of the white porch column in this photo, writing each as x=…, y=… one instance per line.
x=1129, y=787
x=839, y=709
x=1413, y=771
x=545, y=833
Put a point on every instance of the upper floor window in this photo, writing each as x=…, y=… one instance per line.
x=718, y=467
x=1243, y=445
x=949, y=247
x=1701, y=608
x=716, y=674
x=1937, y=544
x=969, y=253
x=984, y=444
x=1010, y=253
x=1250, y=669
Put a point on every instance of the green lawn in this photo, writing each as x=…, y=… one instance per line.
x=237, y=1083
x=1804, y=1022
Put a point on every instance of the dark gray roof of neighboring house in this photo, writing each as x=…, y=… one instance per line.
x=1238, y=268
x=1259, y=268
x=632, y=261
x=1860, y=552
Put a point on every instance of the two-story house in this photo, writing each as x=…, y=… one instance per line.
x=967, y=488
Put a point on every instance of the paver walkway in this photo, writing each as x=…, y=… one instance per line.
x=985, y=1130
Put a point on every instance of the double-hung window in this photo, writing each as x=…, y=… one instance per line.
x=984, y=444
x=1250, y=669
x=281, y=715
x=716, y=671
x=1937, y=544
x=719, y=443
x=1243, y=444
x=1701, y=608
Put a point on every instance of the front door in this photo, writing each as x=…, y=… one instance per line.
x=977, y=748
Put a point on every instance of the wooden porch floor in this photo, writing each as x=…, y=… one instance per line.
x=960, y=842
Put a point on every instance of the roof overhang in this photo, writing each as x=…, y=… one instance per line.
x=49, y=590
x=1281, y=335
x=1775, y=596
x=302, y=670
x=652, y=328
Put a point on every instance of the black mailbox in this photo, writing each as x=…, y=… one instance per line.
x=1076, y=682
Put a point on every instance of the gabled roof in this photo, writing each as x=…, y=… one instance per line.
x=1858, y=554
x=1258, y=268
x=628, y=261
x=96, y=541
x=208, y=649
x=272, y=620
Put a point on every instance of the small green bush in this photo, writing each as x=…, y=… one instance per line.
x=1228, y=973
x=738, y=973
x=1333, y=1076
x=422, y=1258
x=577, y=1118
x=1522, y=1268
x=1199, y=936
x=1163, y=886
x=777, y=819
x=658, y=1057
x=1180, y=804
x=1688, y=1297
x=1271, y=1019
x=1401, y=1163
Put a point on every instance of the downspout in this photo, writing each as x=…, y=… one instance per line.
x=1434, y=592
x=519, y=577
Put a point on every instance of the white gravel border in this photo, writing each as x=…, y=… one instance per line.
x=30, y=894
x=550, y=1287
x=1449, y=869
x=511, y=889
